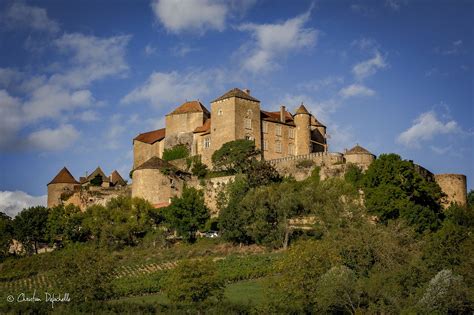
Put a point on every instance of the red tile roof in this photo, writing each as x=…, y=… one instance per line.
x=205, y=127
x=116, y=178
x=275, y=117
x=151, y=137
x=64, y=177
x=358, y=150
x=155, y=163
x=190, y=107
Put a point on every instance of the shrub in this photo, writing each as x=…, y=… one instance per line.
x=179, y=151
x=304, y=164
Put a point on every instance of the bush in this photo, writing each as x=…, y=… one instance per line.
x=194, y=281
x=304, y=164
x=179, y=151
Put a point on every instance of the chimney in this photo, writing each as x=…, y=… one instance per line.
x=282, y=113
x=247, y=91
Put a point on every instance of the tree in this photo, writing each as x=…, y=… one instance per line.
x=394, y=189
x=354, y=175
x=260, y=173
x=179, y=151
x=199, y=169
x=6, y=235
x=97, y=180
x=194, y=281
x=30, y=227
x=470, y=198
x=85, y=273
x=235, y=156
x=65, y=224
x=188, y=213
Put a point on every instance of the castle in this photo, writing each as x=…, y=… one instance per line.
x=284, y=139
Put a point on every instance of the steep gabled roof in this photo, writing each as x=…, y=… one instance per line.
x=116, y=178
x=301, y=110
x=236, y=93
x=190, y=107
x=64, y=177
x=97, y=171
x=315, y=122
x=358, y=150
x=151, y=137
x=205, y=127
x=275, y=117
x=155, y=163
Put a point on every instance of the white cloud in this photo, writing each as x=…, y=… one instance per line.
x=356, y=90
x=12, y=202
x=190, y=15
x=88, y=116
x=324, y=83
x=163, y=89
x=271, y=41
x=370, y=66
x=182, y=50
x=424, y=128
x=455, y=48
x=54, y=139
x=365, y=44
x=149, y=50
x=20, y=15
x=10, y=118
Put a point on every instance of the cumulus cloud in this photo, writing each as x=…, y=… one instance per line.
x=356, y=90
x=424, y=128
x=190, y=15
x=271, y=41
x=170, y=88
x=369, y=67
x=21, y=15
x=49, y=139
x=12, y=202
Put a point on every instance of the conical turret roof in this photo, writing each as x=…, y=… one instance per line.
x=64, y=177
x=302, y=110
x=236, y=93
x=358, y=150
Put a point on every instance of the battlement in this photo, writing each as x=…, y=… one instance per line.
x=336, y=157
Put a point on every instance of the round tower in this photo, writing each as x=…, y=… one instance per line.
x=63, y=184
x=359, y=156
x=302, y=120
x=455, y=188
x=151, y=182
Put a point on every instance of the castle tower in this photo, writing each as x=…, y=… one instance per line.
x=455, y=188
x=62, y=183
x=359, y=156
x=235, y=115
x=151, y=183
x=302, y=120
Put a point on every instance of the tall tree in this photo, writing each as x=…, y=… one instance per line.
x=235, y=156
x=188, y=213
x=30, y=227
x=6, y=234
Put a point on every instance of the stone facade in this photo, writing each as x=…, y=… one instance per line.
x=454, y=186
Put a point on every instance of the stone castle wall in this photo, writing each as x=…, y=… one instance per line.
x=211, y=187
x=142, y=152
x=92, y=195
x=154, y=186
x=455, y=188
x=57, y=191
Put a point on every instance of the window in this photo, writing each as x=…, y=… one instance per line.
x=219, y=112
x=207, y=142
x=248, y=123
x=291, y=149
x=249, y=113
x=248, y=137
x=292, y=133
x=278, y=130
x=264, y=127
x=278, y=146
x=265, y=145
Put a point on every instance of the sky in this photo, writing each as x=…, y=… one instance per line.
x=80, y=79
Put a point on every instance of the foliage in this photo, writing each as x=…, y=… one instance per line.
x=304, y=164
x=123, y=221
x=199, y=169
x=30, y=227
x=194, y=281
x=179, y=151
x=354, y=175
x=188, y=213
x=470, y=198
x=260, y=173
x=235, y=156
x=6, y=235
x=394, y=189
x=85, y=273
x=97, y=180
x=65, y=224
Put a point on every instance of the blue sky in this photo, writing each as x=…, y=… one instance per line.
x=80, y=79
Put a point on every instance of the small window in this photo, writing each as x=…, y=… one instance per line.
x=219, y=112
x=291, y=149
x=248, y=137
x=249, y=113
x=248, y=123
x=292, y=133
x=207, y=142
x=265, y=145
x=278, y=130
x=278, y=146
x=264, y=127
